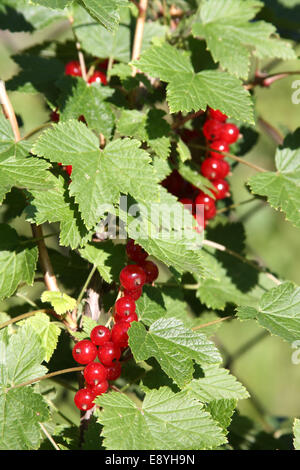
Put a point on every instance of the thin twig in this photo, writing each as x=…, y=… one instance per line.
x=219, y=320
x=189, y=117
x=139, y=31
x=49, y=437
x=234, y=206
x=36, y=129
x=49, y=276
x=79, y=299
x=47, y=376
x=271, y=131
x=23, y=316
x=9, y=111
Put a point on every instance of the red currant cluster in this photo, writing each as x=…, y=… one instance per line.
x=105, y=344
x=219, y=135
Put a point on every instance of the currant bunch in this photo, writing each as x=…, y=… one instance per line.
x=101, y=353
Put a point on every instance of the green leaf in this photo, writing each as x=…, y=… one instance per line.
x=8, y=146
x=282, y=187
x=296, y=429
x=173, y=346
x=51, y=3
x=222, y=411
x=192, y=175
x=105, y=12
x=47, y=331
x=183, y=151
x=278, y=311
x=108, y=258
x=94, y=183
x=165, y=421
x=217, y=384
x=60, y=301
x=232, y=36
x=150, y=127
x=188, y=91
x=21, y=411
x=17, y=263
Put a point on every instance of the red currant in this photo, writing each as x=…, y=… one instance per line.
x=222, y=188
x=94, y=373
x=135, y=294
x=100, y=335
x=119, y=334
x=69, y=169
x=84, y=351
x=209, y=205
x=151, y=271
x=125, y=306
x=213, y=168
x=130, y=318
x=135, y=251
x=84, y=398
x=189, y=203
x=230, y=133
x=98, y=77
x=219, y=145
x=54, y=116
x=73, y=68
x=212, y=129
x=100, y=388
x=114, y=371
x=109, y=353
x=132, y=276
x=217, y=115
x=201, y=223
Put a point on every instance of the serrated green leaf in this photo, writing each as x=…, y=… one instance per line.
x=231, y=36
x=165, y=421
x=17, y=263
x=187, y=90
x=105, y=12
x=108, y=258
x=8, y=146
x=60, y=301
x=222, y=411
x=94, y=183
x=183, y=151
x=278, y=311
x=173, y=346
x=282, y=187
x=217, y=384
x=192, y=175
x=296, y=429
x=47, y=331
x=21, y=411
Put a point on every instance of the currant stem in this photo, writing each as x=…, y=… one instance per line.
x=49, y=437
x=48, y=376
x=93, y=270
x=271, y=131
x=49, y=276
x=9, y=111
x=36, y=129
x=139, y=31
x=219, y=320
x=23, y=316
x=234, y=206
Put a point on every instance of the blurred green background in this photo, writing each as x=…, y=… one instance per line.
x=266, y=369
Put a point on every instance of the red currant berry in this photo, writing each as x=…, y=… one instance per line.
x=132, y=276
x=84, y=399
x=189, y=203
x=230, y=133
x=84, y=351
x=220, y=146
x=73, y=68
x=98, y=77
x=213, y=168
x=135, y=294
x=209, y=205
x=130, y=318
x=201, y=223
x=212, y=129
x=119, y=334
x=114, y=371
x=54, y=116
x=125, y=306
x=69, y=169
x=100, y=335
x=217, y=115
x=222, y=188
x=135, y=251
x=94, y=373
x=99, y=389
x=151, y=271
x=109, y=353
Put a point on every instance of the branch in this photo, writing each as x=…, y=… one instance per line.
x=47, y=376
x=9, y=111
x=49, y=437
x=23, y=316
x=219, y=320
x=271, y=131
x=187, y=118
x=139, y=30
x=49, y=277
x=265, y=80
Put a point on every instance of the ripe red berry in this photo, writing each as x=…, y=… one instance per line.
x=114, y=371
x=212, y=129
x=132, y=276
x=135, y=294
x=100, y=335
x=94, y=373
x=151, y=271
x=54, y=116
x=84, y=398
x=219, y=145
x=98, y=77
x=69, y=169
x=201, y=222
x=135, y=251
x=125, y=306
x=189, y=203
x=222, y=188
x=109, y=353
x=213, y=168
x=99, y=389
x=119, y=335
x=230, y=133
x=73, y=68
x=217, y=115
x=84, y=351
x=209, y=205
